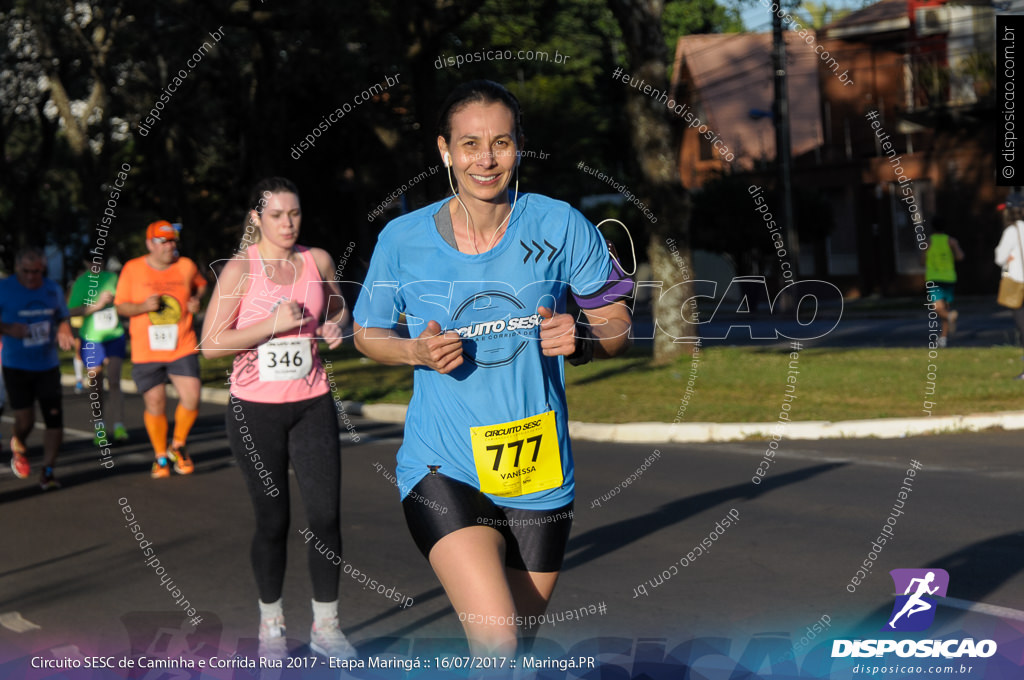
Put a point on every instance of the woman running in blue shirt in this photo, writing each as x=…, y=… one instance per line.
x=483, y=278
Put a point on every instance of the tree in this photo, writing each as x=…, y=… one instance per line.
x=818, y=15
x=688, y=17
x=655, y=139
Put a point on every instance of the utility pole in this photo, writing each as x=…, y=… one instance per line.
x=783, y=155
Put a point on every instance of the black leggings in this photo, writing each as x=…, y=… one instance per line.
x=263, y=437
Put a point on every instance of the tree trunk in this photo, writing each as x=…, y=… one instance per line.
x=655, y=134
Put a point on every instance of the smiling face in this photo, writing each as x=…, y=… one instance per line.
x=483, y=150
x=281, y=220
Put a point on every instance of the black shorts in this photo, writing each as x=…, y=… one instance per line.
x=153, y=373
x=535, y=540
x=24, y=388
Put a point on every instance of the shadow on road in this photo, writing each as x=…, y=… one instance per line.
x=79, y=459
x=606, y=539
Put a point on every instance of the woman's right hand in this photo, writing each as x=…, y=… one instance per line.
x=151, y=304
x=439, y=351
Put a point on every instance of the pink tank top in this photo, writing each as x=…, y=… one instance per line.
x=286, y=368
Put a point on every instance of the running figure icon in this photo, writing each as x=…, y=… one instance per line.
x=914, y=603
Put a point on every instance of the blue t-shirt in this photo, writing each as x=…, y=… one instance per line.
x=491, y=300
x=41, y=309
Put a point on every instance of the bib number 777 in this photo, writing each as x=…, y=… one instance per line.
x=518, y=457
x=518, y=445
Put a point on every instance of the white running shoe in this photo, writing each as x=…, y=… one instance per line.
x=329, y=641
x=273, y=644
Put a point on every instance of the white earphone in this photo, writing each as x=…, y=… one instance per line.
x=447, y=158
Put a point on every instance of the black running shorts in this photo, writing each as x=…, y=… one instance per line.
x=24, y=388
x=148, y=375
x=535, y=540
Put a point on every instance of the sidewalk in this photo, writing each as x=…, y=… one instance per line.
x=653, y=433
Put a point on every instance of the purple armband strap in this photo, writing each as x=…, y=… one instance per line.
x=618, y=286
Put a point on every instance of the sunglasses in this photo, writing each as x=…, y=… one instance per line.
x=162, y=239
x=31, y=271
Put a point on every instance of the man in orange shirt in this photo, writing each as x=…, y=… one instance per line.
x=159, y=293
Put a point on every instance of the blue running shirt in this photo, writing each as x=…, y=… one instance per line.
x=41, y=309
x=549, y=251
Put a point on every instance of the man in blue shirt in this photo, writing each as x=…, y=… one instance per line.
x=34, y=323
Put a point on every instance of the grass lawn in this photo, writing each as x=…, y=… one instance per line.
x=741, y=384
x=748, y=385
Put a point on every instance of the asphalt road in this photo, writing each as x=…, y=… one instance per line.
x=70, y=566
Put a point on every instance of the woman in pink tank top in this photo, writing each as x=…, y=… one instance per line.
x=274, y=301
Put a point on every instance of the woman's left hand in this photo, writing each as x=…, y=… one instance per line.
x=331, y=333
x=557, y=333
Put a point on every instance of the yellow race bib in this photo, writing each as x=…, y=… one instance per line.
x=518, y=457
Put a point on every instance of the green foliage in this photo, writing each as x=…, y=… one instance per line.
x=277, y=72
x=817, y=15
x=690, y=17
x=570, y=109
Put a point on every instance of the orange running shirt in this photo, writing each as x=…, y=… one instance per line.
x=167, y=334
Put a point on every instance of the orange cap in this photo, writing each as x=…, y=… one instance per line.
x=162, y=228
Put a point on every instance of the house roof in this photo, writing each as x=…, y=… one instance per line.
x=882, y=17
x=731, y=76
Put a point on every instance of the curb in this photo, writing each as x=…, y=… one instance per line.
x=209, y=395
x=662, y=433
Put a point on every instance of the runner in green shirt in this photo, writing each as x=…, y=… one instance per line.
x=103, y=347
x=940, y=258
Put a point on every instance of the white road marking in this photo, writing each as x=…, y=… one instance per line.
x=14, y=621
x=982, y=608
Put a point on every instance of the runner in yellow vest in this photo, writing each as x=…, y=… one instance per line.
x=939, y=261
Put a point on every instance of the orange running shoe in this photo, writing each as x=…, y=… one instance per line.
x=19, y=463
x=161, y=469
x=182, y=463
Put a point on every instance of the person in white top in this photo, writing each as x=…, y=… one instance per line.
x=1008, y=253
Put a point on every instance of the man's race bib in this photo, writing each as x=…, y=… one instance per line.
x=38, y=334
x=285, y=359
x=105, y=319
x=163, y=337
x=518, y=457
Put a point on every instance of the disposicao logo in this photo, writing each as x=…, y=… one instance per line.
x=914, y=610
